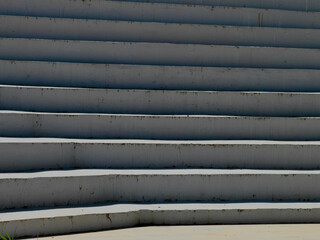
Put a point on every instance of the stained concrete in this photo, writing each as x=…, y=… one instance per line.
x=67, y=74
x=59, y=153
x=104, y=30
x=160, y=127
x=299, y=5
x=120, y=101
x=107, y=217
x=157, y=12
x=226, y=232
x=157, y=53
x=90, y=186
x=167, y=196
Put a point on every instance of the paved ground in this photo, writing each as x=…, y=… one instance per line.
x=216, y=232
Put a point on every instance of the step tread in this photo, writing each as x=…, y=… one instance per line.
x=114, y=90
x=302, y=5
x=137, y=31
x=157, y=53
x=58, y=20
x=9, y=140
x=147, y=44
x=175, y=116
x=120, y=76
x=12, y=215
x=135, y=7
x=152, y=172
x=90, y=100
x=59, y=220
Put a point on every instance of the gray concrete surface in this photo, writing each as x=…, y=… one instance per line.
x=157, y=53
x=156, y=12
x=103, y=30
x=165, y=102
x=161, y=127
x=79, y=187
x=53, y=153
x=94, y=218
x=300, y=5
x=226, y=232
x=169, y=46
x=66, y=74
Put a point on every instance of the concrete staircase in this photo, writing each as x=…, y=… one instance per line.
x=126, y=113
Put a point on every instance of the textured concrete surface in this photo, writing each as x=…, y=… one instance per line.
x=71, y=187
x=57, y=153
x=155, y=12
x=157, y=53
x=60, y=220
x=67, y=74
x=301, y=5
x=165, y=102
x=225, y=232
x=103, y=30
x=161, y=127
x=167, y=49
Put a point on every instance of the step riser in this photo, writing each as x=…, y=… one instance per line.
x=37, y=156
x=71, y=29
x=157, y=77
x=158, y=127
x=145, y=12
x=71, y=224
x=157, y=54
x=158, y=102
x=298, y=5
x=107, y=221
x=77, y=190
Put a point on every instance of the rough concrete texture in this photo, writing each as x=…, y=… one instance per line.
x=299, y=5
x=157, y=53
x=71, y=187
x=104, y=30
x=95, y=218
x=54, y=153
x=228, y=232
x=157, y=12
x=161, y=127
x=244, y=81
x=66, y=74
x=127, y=101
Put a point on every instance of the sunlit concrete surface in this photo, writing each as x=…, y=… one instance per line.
x=217, y=232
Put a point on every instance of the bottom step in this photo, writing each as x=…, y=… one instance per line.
x=55, y=221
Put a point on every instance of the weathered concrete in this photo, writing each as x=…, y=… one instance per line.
x=77, y=100
x=203, y=232
x=157, y=53
x=66, y=74
x=53, y=153
x=94, y=218
x=102, y=30
x=157, y=12
x=165, y=127
x=78, y=187
x=172, y=47
x=299, y=5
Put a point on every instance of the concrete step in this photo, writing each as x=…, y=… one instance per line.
x=89, y=186
x=298, y=5
x=105, y=30
x=30, y=223
x=157, y=53
x=66, y=74
x=160, y=12
x=161, y=127
x=23, y=154
x=165, y=102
